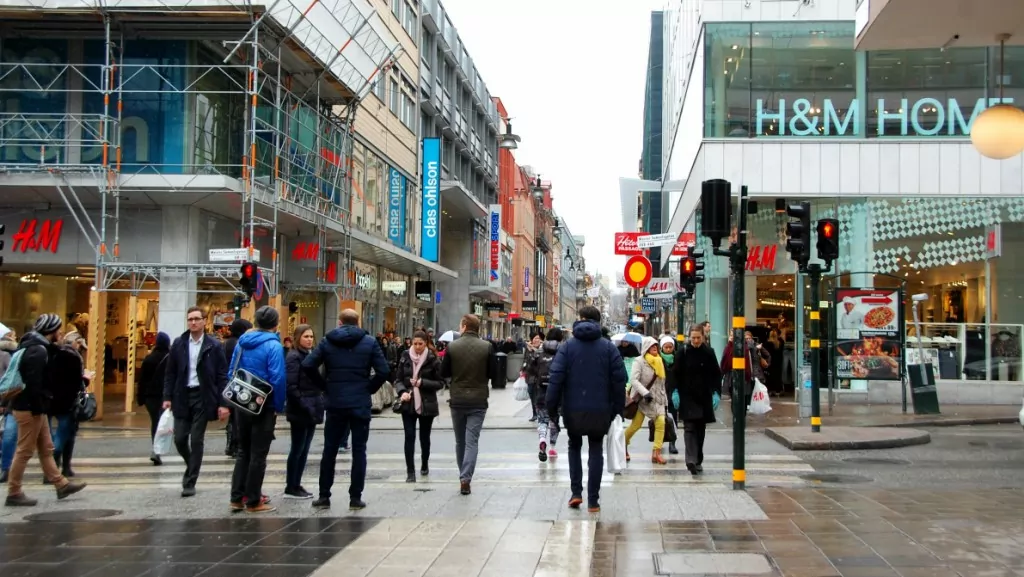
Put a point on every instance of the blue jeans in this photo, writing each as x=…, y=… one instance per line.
x=338, y=424
x=67, y=426
x=302, y=438
x=595, y=464
x=10, y=441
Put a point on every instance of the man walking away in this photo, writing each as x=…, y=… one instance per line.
x=587, y=380
x=260, y=353
x=469, y=363
x=194, y=381
x=348, y=354
x=29, y=409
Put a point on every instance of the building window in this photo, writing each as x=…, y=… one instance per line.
x=409, y=20
x=395, y=97
x=408, y=111
x=396, y=8
x=380, y=88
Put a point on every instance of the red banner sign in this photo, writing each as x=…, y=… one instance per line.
x=626, y=243
x=686, y=239
x=306, y=251
x=35, y=235
x=762, y=257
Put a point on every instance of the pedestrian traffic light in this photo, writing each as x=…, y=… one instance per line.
x=237, y=304
x=248, y=278
x=828, y=240
x=798, y=233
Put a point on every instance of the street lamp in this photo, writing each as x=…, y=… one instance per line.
x=538, y=190
x=998, y=132
x=508, y=140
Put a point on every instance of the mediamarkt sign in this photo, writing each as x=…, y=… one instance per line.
x=626, y=243
x=944, y=118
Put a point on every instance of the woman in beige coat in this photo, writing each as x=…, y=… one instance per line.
x=647, y=388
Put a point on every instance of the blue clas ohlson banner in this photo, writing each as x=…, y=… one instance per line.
x=430, y=229
x=396, y=207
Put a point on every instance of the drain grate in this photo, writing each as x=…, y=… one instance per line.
x=423, y=490
x=876, y=461
x=833, y=478
x=73, y=515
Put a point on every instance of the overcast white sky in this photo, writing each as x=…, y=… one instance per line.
x=571, y=73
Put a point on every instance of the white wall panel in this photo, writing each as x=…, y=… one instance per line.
x=771, y=159
x=1011, y=174
x=870, y=168
x=830, y=168
x=910, y=167
x=849, y=167
x=949, y=169
x=889, y=169
x=734, y=160
x=928, y=168
x=970, y=173
x=810, y=166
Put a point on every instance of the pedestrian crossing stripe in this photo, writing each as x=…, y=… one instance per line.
x=483, y=457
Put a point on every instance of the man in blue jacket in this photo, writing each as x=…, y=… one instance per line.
x=348, y=355
x=260, y=353
x=587, y=380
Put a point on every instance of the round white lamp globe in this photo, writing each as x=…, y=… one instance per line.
x=998, y=132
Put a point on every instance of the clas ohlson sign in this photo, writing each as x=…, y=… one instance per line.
x=922, y=117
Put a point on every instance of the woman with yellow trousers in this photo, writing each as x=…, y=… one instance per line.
x=647, y=389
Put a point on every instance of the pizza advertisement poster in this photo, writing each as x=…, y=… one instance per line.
x=868, y=343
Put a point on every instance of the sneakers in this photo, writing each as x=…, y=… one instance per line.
x=594, y=508
x=188, y=492
x=261, y=508
x=424, y=470
x=322, y=503
x=297, y=493
x=70, y=489
x=343, y=449
x=552, y=453
x=356, y=505
x=464, y=488
x=237, y=506
x=410, y=476
x=264, y=499
x=542, y=453
x=157, y=461
x=20, y=500
x=575, y=501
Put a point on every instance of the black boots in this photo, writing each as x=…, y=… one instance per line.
x=65, y=463
x=672, y=449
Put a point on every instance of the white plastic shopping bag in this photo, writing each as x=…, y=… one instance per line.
x=1020, y=416
x=164, y=438
x=521, y=390
x=759, y=403
x=615, y=447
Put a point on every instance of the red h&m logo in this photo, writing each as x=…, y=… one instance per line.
x=331, y=274
x=306, y=251
x=35, y=237
x=761, y=257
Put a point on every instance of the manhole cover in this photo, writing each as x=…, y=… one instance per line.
x=694, y=564
x=831, y=478
x=73, y=515
x=876, y=461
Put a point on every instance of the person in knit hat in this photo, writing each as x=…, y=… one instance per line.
x=29, y=409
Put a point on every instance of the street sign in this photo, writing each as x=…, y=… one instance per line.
x=653, y=240
x=638, y=271
x=233, y=255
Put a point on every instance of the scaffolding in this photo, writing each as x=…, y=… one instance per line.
x=268, y=120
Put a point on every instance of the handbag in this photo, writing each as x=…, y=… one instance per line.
x=671, y=432
x=633, y=403
x=245, y=390
x=86, y=407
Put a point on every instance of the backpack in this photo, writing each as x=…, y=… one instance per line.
x=11, y=384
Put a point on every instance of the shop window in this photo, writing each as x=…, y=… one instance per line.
x=359, y=183
x=44, y=62
x=930, y=92
x=217, y=121
x=1013, y=74
x=727, y=80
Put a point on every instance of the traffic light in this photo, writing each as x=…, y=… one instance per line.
x=798, y=233
x=248, y=278
x=237, y=304
x=696, y=255
x=828, y=240
x=716, y=210
x=689, y=271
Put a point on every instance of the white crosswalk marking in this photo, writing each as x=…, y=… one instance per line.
x=388, y=469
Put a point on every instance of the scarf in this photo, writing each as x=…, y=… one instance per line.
x=669, y=358
x=417, y=364
x=657, y=364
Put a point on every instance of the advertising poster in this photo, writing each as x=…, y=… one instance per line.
x=868, y=334
x=430, y=231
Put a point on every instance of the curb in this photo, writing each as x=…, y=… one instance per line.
x=953, y=422
x=920, y=438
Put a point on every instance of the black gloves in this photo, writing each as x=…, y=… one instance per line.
x=649, y=398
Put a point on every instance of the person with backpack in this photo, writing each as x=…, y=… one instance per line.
x=149, y=387
x=537, y=372
x=29, y=406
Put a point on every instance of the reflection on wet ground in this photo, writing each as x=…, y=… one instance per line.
x=839, y=532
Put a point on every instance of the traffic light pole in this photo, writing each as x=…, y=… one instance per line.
x=737, y=253
x=814, y=271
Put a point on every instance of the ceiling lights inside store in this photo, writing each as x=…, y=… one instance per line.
x=998, y=132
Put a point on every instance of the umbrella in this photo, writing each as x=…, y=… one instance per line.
x=448, y=337
x=628, y=343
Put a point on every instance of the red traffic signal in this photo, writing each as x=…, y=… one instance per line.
x=248, y=278
x=687, y=266
x=828, y=230
x=828, y=239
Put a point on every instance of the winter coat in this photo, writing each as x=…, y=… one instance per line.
x=539, y=370
x=697, y=378
x=260, y=353
x=306, y=404
x=670, y=380
x=753, y=365
x=7, y=350
x=348, y=354
x=212, y=369
x=529, y=355
x=150, y=383
x=586, y=381
x=34, y=369
x=469, y=363
x=643, y=380
x=66, y=381
x=430, y=383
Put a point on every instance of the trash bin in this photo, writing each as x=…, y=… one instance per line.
x=500, y=365
x=515, y=362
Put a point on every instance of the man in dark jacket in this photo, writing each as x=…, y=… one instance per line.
x=29, y=409
x=587, y=380
x=468, y=362
x=348, y=355
x=194, y=381
x=237, y=329
x=699, y=384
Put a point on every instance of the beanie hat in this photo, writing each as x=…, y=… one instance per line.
x=239, y=326
x=47, y=324
x=163, y=341
x=666, y=339
x=267, y=317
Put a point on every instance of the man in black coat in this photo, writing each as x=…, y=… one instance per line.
x=698, y=380
x=195, y=377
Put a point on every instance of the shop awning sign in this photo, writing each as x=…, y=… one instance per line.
x=663, y=286
x=233, y=255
